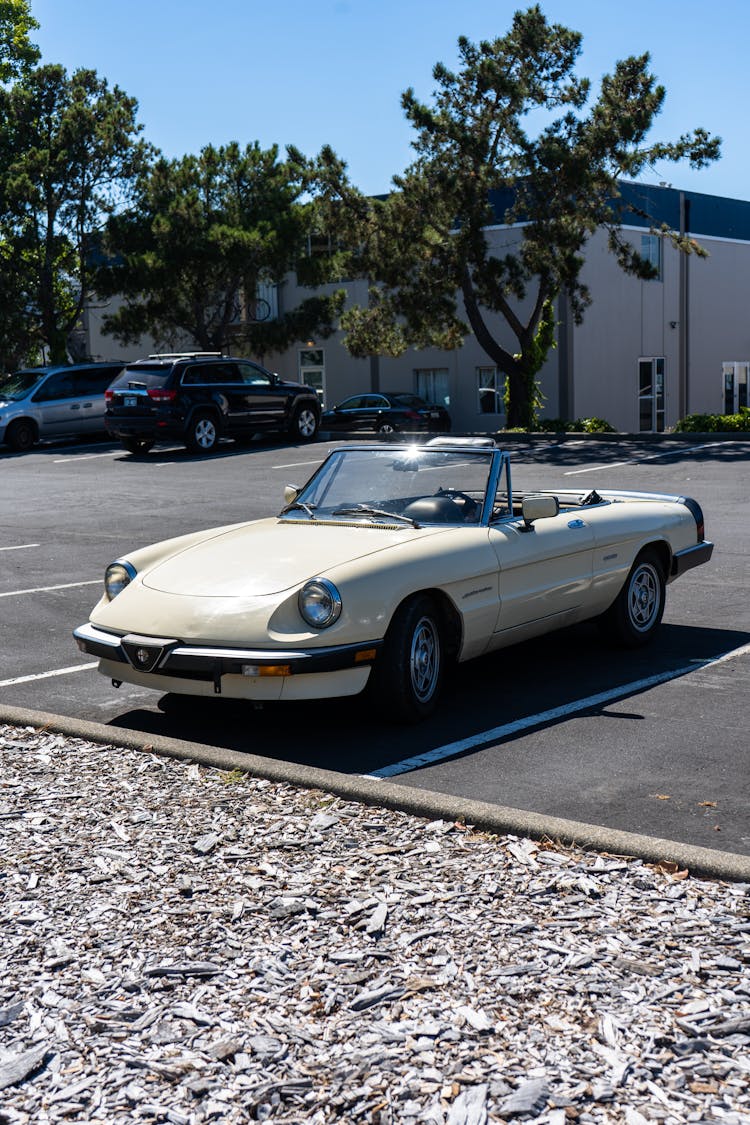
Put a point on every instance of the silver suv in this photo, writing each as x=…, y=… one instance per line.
x=53, y=402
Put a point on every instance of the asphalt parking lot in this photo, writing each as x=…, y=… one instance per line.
x=653, y=742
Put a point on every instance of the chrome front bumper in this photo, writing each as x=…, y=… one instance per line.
x=165, y=656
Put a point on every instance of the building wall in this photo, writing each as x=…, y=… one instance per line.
x=694, y=319
x=345, y=375
x=630, y=319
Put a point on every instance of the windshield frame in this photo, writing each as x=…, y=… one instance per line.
x=490, y=464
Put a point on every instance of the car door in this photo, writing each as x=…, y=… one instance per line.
x=90, y=383
x=56, y=406
x=545, y=572
x=264, y=402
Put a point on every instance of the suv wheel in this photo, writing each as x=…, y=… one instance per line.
x=202, y=434
x=304, y=423
x=21, y=436
x=137, y=445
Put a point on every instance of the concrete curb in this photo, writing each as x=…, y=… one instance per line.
x=701, y=862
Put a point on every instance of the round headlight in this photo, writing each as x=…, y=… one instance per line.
x=319, y=603
x=117, y=576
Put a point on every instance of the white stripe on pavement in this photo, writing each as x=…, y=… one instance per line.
x=45, y=589
x=451, y=749
x=640, y=460
x=46, y=675
x=20, y=547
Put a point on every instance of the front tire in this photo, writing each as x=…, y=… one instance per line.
x=203, y=434
x=636, y=612
x=304, y=424
x=386, y=428
x=408, y=675
x=21, y=436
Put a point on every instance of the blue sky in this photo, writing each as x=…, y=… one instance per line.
x=332, y=71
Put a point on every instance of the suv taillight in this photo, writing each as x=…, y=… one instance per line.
x=158, y=394
x=109, y=395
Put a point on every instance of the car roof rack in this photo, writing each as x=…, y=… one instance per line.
x=185, y=355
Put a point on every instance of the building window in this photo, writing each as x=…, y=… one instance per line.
x=312, y=369
x=651, y=251
x=490, y=391
x=432, y=384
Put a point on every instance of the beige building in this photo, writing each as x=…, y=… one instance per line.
x=646, y=354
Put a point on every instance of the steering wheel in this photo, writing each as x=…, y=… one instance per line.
x=466, y=503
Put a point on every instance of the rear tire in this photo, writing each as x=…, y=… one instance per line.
x=203, y=434
x=636, y=612
x=21, y=436
x=386, y=428
x=407, y=678
x=137, y=445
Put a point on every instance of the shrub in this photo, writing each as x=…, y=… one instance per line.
x=714, y=423
x=579, y=426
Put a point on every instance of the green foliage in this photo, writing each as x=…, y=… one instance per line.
x=202, y=233
x=715, y=423
x=579, y=426
x=68, y=150
x=17, y=53
x=434, y=275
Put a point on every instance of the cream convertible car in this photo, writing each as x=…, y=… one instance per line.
x=391, y=562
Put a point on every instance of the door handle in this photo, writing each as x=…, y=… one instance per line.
x=87, y=405
x=76, y=406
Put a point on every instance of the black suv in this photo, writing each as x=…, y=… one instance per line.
x=198, y=397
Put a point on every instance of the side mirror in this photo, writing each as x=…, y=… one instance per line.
x=538, y=508
x=291, y=492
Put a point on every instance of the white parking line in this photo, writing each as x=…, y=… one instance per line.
x=46, y=675
x=640, y=460
x=20, y=547
x=451, y=749
x=299, y=464
x=45, y=589
x=75, y=458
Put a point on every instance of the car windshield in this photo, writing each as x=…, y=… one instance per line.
x=19, y=384
x=413, y=401
x=406, y=485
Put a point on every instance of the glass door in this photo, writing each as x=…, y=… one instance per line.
x=735, y=386
x=651, y=394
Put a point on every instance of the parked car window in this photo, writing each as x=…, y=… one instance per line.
x=223, y=373
x=375, y=402
x=356, y=402
x=96, y=380
x=255, y=376
x=57, y=386
x=412, y=401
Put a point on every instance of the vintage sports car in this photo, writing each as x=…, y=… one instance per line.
x=390, y=563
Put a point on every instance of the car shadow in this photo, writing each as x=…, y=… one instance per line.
x=517, y=686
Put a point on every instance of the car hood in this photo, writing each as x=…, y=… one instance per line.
x=269, y=556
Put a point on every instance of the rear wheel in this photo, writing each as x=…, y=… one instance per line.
x=202, y=434
x=386, y=428
x=304, y=423
x=137, y=445
x=21, y=436
x=636, y=612
x=408, y=675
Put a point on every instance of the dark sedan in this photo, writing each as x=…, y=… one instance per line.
x=386, y=412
